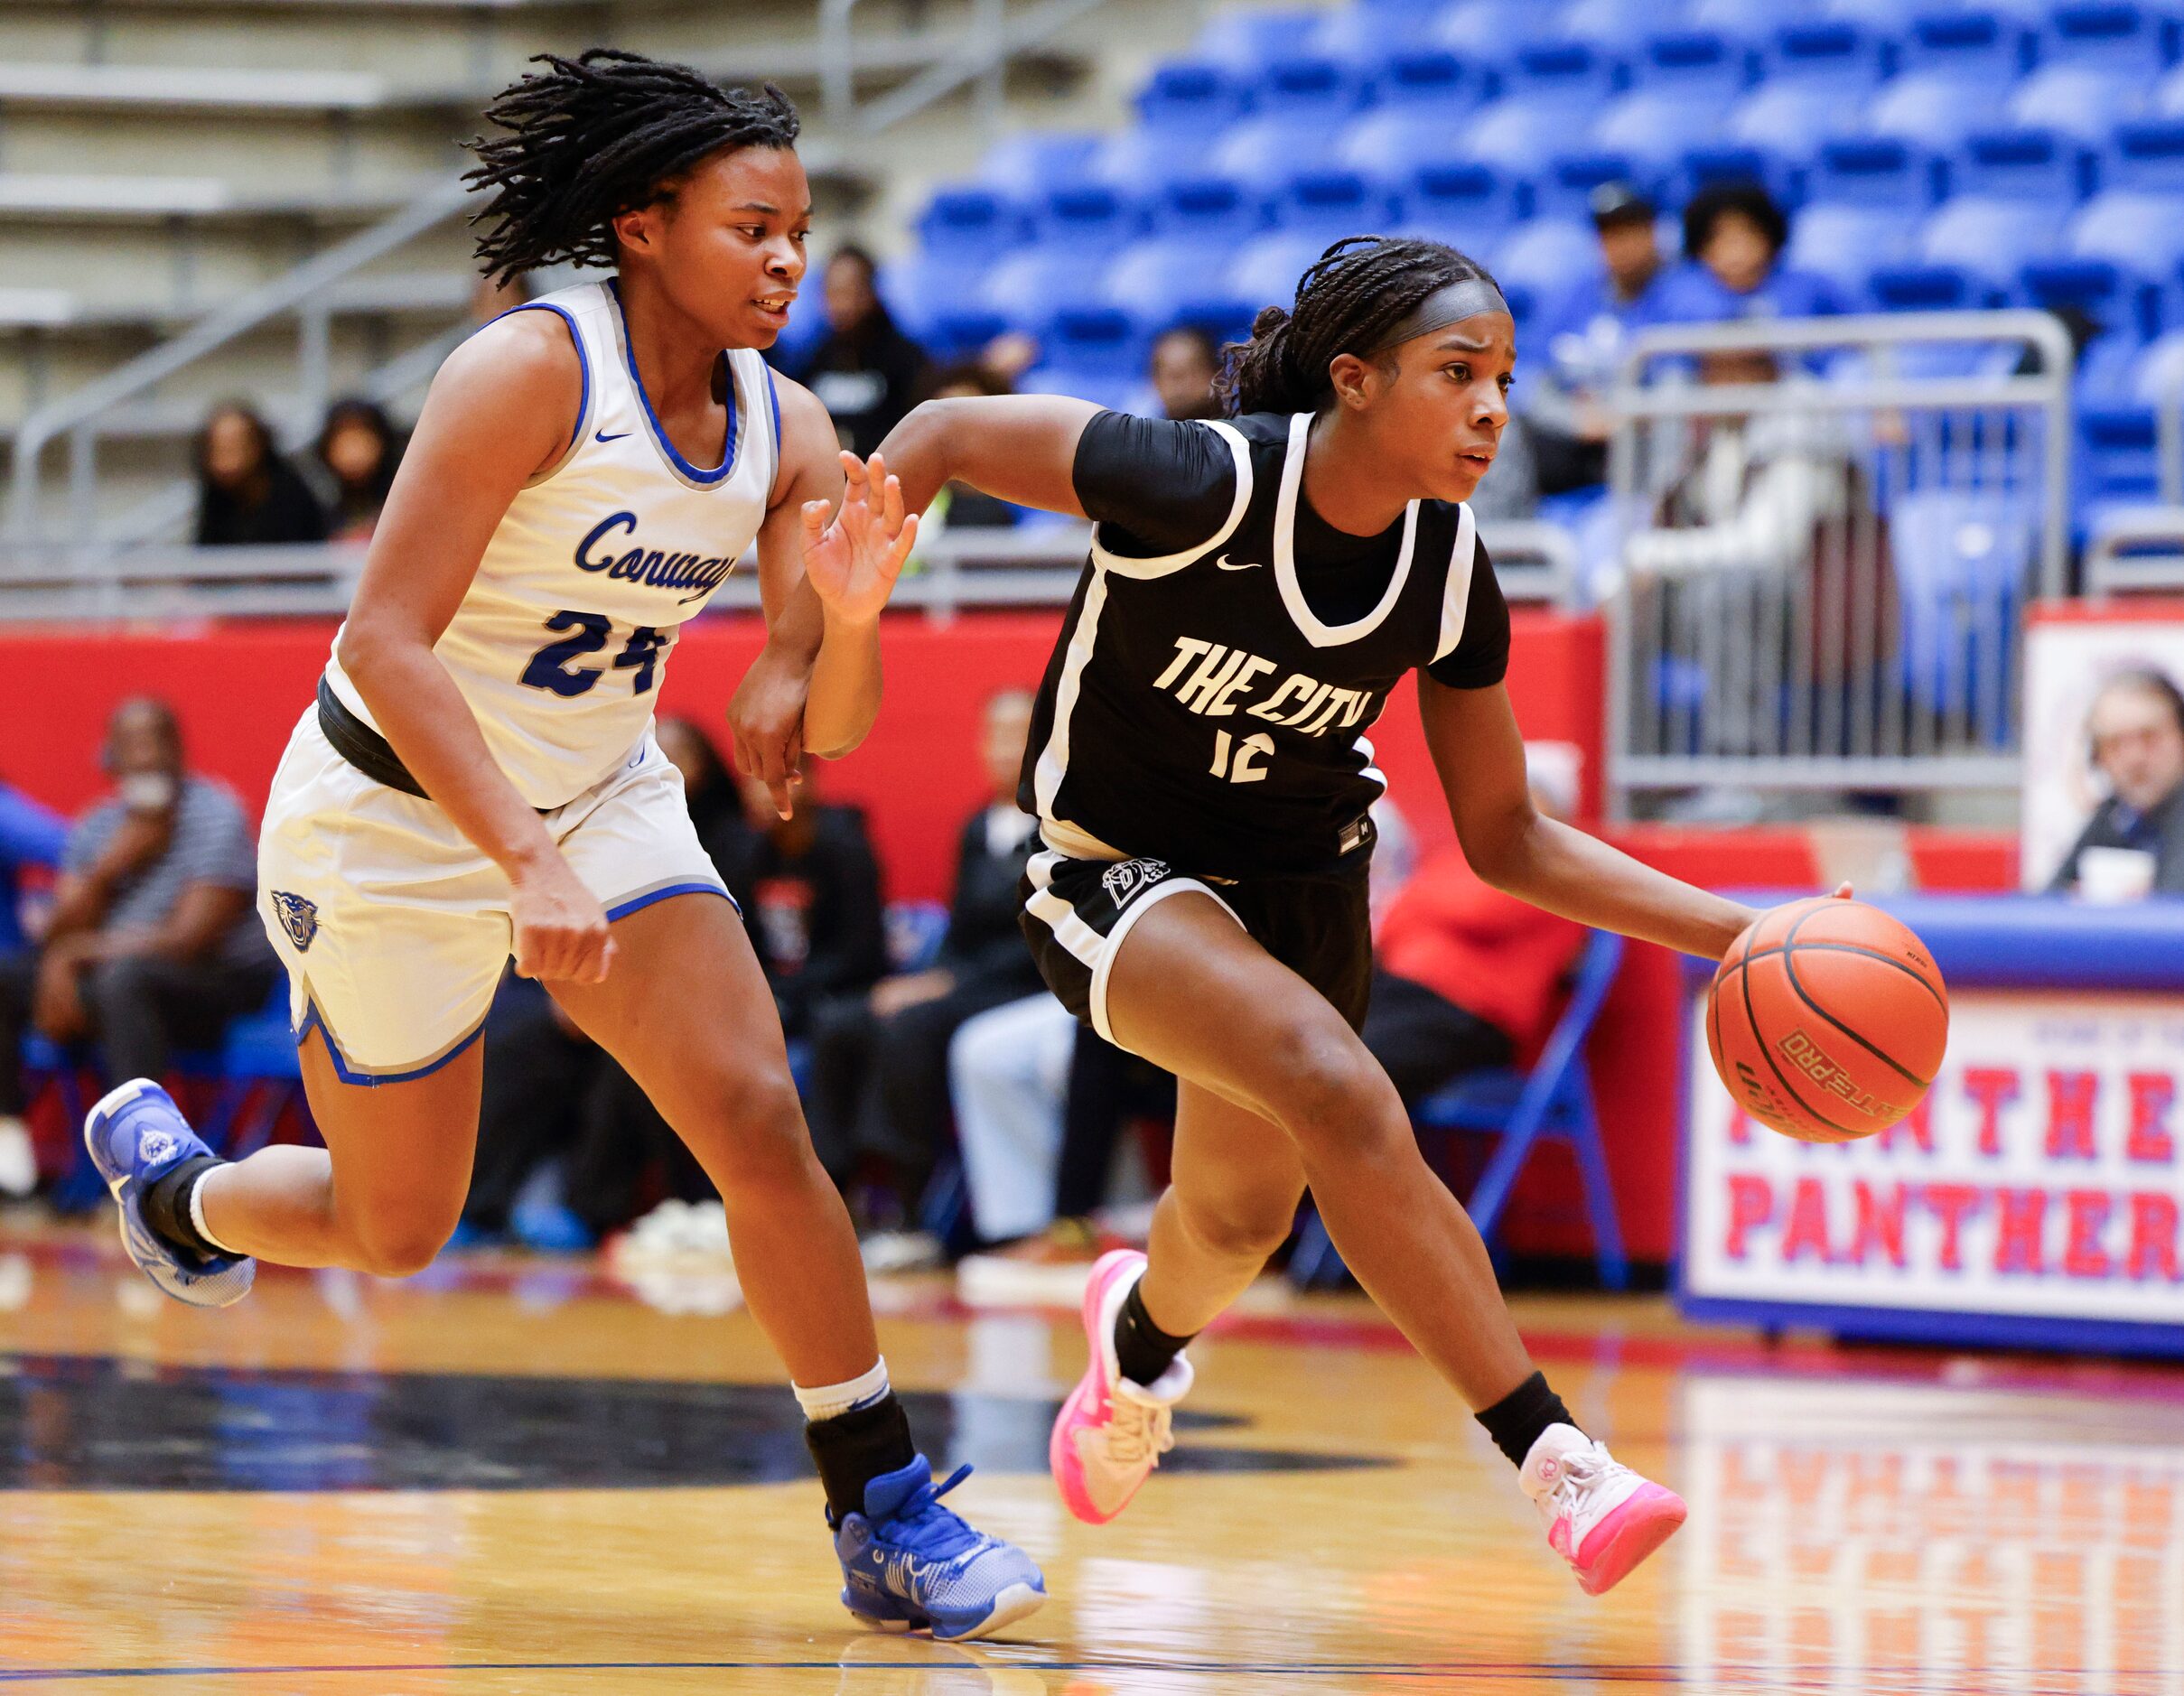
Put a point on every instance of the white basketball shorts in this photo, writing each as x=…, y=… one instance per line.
x=393, y=926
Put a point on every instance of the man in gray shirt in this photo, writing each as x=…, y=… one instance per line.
x=152, y=944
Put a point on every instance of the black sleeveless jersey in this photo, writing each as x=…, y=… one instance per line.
x=1226, y=652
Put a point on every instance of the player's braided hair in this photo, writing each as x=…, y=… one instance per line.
x=597, y=136
x=1358, y=291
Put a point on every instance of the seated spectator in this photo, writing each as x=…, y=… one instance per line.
x=246, y=493
x=2134, y=844
x=1587, y=333
x=880, y=1084
x=31, y=840
x=1733, y=237
x=867, y=371
x=551, y=1093
x=1468, y=978
x=958, y=506
x=357, y=448
x=1181, y=367
x=152, y=944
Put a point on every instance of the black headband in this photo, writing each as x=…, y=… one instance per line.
x=1445, y=306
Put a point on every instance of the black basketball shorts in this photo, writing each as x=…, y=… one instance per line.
x=1077, y=912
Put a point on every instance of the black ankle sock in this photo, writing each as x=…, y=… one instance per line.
x=166, y=1206
x=852, y=1449
x=1515, y=1422
x=1142, y=1349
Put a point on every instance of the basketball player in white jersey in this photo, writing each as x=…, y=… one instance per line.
x=478, y=777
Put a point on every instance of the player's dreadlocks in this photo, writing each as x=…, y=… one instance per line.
x=1358, y=291
x=594, y=136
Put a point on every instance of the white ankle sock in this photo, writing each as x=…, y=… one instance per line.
x=197, y=1214
x=829, y=1401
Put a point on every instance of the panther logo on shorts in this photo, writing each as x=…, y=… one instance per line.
x=299, y=918
x=1126, y=877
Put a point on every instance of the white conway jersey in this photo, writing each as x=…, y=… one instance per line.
x=560, y=638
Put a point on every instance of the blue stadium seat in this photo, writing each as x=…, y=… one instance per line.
x=1749, y=18
x=936, y=298
x=2157, y=369
x=1266, y=270
x=2118, y=461
x=1791, y=120
x=1514, y=137
x=1310, y=85
x=2134, y=227
x=1950, y=70
x=1328, y=202
x=1247, y=42
x=1029, y=166
x=1086, y=217
x=1480, y=26
x=1866, y=199
x=1681, y=86
x=2021, y=164
x=1096, y=338
x=1561, y=76
x=1620, y=26
x=1206, y=210
x=2080, y=100
x=1730, y=162
x=1879, y=15
x=972, y=221
x=1190, y=97
x=1929, y=288
x=1144, y=165
x=1264, y=152
x=1430, y=79
x=1026, y=288
x=1827, y=52
x=1169, y=280
x=2131, y=40
x=1464, y=202
x=1542, y=255
x=1963, y=561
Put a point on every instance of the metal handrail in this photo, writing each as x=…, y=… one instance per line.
x=981, y=51
x=1036, y=566
x=2048, y=387
x=295, y=290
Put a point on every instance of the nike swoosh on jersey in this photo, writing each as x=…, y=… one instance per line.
x=616, y=437
x=1237, y=565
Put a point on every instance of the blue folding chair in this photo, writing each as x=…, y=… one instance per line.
x=1553, y=1102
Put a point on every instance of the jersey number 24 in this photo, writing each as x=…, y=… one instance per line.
x=550, y=668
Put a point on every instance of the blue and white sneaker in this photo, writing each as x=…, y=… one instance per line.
x=909, y=1564
x=136, y=1135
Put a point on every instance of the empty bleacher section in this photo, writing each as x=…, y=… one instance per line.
x=160, y=160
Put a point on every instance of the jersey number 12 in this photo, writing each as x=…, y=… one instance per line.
x=1242, y=761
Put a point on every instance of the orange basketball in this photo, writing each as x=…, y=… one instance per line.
x=1827, y=1020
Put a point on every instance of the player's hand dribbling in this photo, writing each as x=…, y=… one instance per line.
x=561, y=929
x=854, y=562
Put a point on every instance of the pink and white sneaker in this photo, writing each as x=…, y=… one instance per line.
x=1111, y=1433
x=1601, y=1517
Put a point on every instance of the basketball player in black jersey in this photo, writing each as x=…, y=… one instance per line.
x=1201, y=774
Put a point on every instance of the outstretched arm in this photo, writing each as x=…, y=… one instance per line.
x=1016, y=447
x=1480, y=758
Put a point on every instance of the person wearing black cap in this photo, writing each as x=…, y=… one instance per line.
x=1586, y=330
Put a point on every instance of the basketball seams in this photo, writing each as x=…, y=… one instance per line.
x=1789, y=966
x=1916, y=975
x=1759, y=1042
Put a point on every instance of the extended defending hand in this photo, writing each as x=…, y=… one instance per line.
x=854, y=562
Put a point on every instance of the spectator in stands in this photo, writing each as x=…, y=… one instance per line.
x=246, y=491
x=1585, y=332
x=2134, y=840
x=31, y=840
x=1468, y=978
x=550, y=1093
x=880, y=1079
x=865, y=369
x=1733, y=237
x=959, y=506
x=151, y=944
x=358, y=450
x=1181, y=367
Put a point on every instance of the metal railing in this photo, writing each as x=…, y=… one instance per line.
x=1036, y=567
x=980, y=54
x=2136, y=551
x=1829, y=528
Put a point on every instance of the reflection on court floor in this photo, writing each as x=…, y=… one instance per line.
x=516, y=1476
